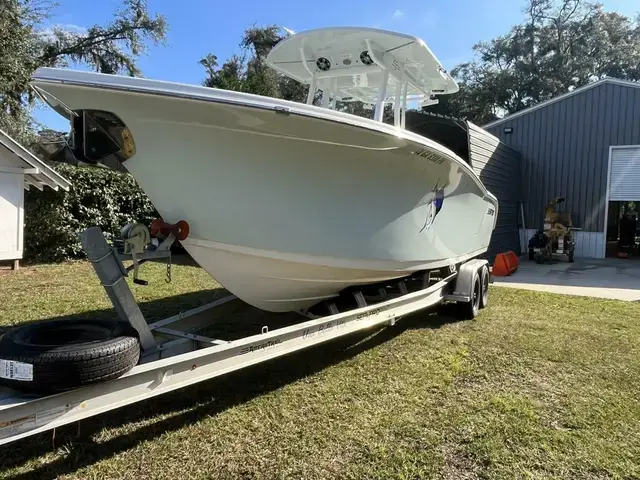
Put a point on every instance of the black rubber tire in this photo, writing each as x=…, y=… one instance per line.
x=532, y=254
x=484, y=287
x=469, y=310
x=68, y=354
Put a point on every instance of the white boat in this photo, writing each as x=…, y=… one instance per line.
x=290, y=203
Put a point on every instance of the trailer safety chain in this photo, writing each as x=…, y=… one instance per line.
x=168, y=277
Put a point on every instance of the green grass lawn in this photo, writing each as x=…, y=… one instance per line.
x=538, y=386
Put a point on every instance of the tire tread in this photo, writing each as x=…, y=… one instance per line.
x=55, y=371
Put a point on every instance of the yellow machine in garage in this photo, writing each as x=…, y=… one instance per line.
x=556, y=238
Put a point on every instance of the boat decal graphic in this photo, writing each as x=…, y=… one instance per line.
x=434, y=206
x=430, y=155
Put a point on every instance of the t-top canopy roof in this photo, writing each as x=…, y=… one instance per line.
x=352, y=64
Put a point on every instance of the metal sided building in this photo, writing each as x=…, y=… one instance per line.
x=585, y=146
x=497, y=165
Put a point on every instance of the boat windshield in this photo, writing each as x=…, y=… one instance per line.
x=55, y=104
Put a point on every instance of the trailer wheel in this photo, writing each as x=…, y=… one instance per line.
x=469, y=310
x=58, y=355
x=484, y=278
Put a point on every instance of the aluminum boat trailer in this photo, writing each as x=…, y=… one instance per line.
x=174, y=355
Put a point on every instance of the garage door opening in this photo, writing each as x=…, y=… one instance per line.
x=623, y=222
x=623, y=230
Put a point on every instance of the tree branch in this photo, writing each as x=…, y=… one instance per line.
x=88, y=43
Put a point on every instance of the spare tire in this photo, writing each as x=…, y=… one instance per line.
x=59, y=355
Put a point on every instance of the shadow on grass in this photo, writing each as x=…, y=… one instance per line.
x=192, y=404
x=152, y=310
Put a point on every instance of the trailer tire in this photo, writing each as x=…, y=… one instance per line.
x=484, y=286
x=469, y=310
x=67, y=354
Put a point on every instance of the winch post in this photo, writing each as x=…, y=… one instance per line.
x=112, y=273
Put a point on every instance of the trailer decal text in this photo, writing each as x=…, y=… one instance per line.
x=322, y=329
x=260, y=346
x=375, y=311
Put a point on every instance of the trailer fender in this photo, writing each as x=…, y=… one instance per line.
x=468, y=289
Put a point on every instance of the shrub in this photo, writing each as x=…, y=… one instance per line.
x=97, y=197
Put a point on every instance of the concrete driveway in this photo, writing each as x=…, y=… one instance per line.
x=612, y=278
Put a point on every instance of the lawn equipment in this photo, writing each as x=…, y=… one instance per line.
x=556, y=238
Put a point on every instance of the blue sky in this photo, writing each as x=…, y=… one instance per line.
x=197, y=27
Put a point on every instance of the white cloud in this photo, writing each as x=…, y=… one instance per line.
x=69, y=28
x=398, y=14
x=74, y=28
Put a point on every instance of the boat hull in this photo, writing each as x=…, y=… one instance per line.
x=287, y=208
x=279, y=282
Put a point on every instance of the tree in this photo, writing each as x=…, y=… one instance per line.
x=25, y=45
x=560, y=45
x=229, y=77
x=250, y=72
x=18, y=58
x=260, y=78
x=468, y=103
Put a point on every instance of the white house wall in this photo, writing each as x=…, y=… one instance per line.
x=11, y=215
